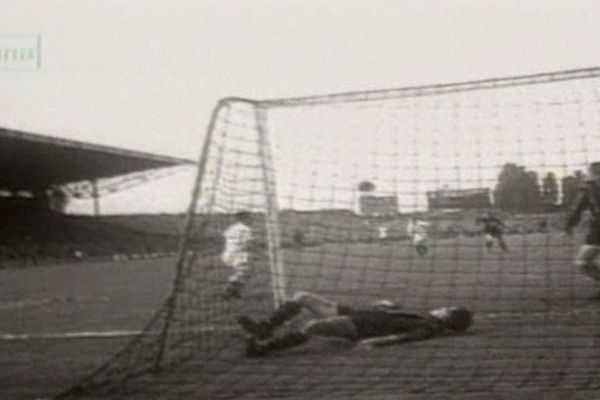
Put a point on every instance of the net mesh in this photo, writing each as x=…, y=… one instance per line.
x=332, y=184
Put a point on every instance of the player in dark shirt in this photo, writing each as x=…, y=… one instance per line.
x=378, y=325
x=493, y=229
x=588, y=199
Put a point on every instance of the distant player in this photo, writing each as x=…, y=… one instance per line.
x=236, y=254
x=370, y=327
x=382, y=234
x=418, y=230
x=588, y=199
x=493, y=230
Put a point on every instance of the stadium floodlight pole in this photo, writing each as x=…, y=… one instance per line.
x=188, y=225
x=272, y=208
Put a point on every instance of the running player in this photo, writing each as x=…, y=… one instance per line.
x=588, y=199
x=418, y=230
x=236, y=254
x=370, y=327
x=493, y=230
x=382, y=234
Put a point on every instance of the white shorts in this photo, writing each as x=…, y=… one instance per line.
x=240, y=265
x=236, y=260
x=420, y=240
x=382, y=233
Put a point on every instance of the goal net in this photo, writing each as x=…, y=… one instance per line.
x=335, y=185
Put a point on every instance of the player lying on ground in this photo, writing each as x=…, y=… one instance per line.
x=373, y=326
x=588, y=199
x=493, y=229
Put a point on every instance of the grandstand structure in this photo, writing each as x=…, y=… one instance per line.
x=536, y=325
x=459, y=199
x=373, y=205
x=39, y=174
x=36, y=164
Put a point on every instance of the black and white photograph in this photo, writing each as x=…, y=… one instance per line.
x=299, y=199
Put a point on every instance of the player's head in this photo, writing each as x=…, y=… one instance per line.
x=457, y=319
x=243, y=216
x=594, y=170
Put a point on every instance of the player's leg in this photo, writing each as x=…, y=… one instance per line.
x=587, y=259
x=422, y=245
x=335, y=327
x=318, y=306
x=489, y=241
x=501, y=242
x=231, y=289
x=417, y=242
x=241, y=274
x=236, y=282
x=254, y=348
x=263, y=329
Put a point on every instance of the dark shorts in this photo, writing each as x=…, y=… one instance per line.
x=344, y=310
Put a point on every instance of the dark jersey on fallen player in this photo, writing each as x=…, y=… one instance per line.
x=492, y=225
x=588, y=199
x=378, y=322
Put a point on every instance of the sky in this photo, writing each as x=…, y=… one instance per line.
x=145, y=75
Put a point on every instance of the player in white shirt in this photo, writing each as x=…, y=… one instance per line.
x=236, y=254
x=418, y=230
x=382, y=234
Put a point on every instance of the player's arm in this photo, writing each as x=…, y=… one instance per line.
x=581, y=203
x=422, y=333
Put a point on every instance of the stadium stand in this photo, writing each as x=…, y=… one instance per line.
x=34, y=172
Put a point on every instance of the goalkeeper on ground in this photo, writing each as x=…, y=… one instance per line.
x=379, y=325
x=588, y=199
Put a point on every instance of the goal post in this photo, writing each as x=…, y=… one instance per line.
x=272, y=209
x=236, y=173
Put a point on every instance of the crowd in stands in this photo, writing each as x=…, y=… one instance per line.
x=35, y=235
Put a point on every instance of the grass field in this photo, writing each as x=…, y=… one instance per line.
x=535, y=335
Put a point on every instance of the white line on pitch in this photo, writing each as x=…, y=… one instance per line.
x=104, y=334
x=213, y=328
